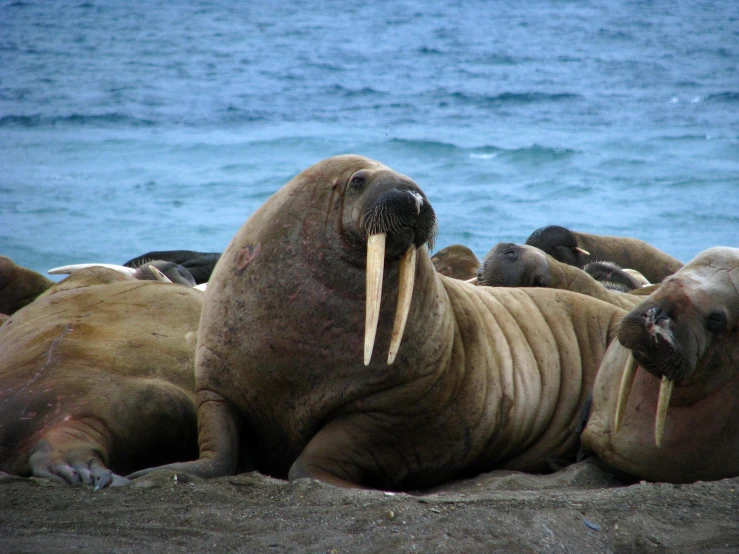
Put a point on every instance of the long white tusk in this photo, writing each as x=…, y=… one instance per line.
x=623, y=393
x=201, y=286
x=665, y=392
x=473, y=280
x=581, y=250
x=159, y=275
x=405, y=293
x=375, y=268
x=65, y=269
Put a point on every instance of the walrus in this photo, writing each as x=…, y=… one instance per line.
x=666, y=398
x=614, y=277
x=515, y=265
x=19, y=286
x=305, y=368
x=198, y=264
x=579, y=249
x=456, y=261
x=96, y=379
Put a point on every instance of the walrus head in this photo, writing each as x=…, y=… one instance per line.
x=512, y=265
x=395, y=218
x=560, y=243
x=686, y=331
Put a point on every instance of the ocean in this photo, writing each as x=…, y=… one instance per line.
x=127, y=127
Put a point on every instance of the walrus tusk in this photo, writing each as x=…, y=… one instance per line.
x=405, y=293
x=67, y=269
x=581, y=250
x=159, y=275
x=665, y=392
x=623, y=393
x=375, y=268
x=473, y=280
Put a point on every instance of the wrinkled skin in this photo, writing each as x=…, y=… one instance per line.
x=515, y=265
x=96, y=379
x=483, y=377
x=456, y=261
x=579, y=249
x=686, y=331
x=19, y=286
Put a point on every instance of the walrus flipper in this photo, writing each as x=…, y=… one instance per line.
x=73, y=454
x=219, y=442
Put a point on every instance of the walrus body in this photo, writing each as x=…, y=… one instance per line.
x=96, y=377
x=579, y=249
x=456, y=261
x=19, y=286
x=483, y=377
x=515, y=265
x=684, y=340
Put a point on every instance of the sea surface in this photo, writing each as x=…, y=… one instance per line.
x=133, y=126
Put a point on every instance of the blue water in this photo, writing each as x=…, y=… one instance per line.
x=134, y=126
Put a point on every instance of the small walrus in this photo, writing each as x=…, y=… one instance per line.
x=330, y=347
x=19, y=286
x=96, y=379
x=666, y=399
x=518, y=265
x=456, y=261
x=579, y=249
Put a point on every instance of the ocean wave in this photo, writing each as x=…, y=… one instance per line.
x=353, y=93
x=537, y=154
x=723, y=97
x=424, y=146
x=78, y=120
x=510, y=98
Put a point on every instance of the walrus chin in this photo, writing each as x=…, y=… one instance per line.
x=665, y=393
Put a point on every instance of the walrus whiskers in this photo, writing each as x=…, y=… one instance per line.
x=375, y=269
x=405, y=293
x=665, y=392
x=623, y=393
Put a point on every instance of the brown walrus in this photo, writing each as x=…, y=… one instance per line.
x=666, y=399
x=96, y=379
x=483, y=377
x=19, y=286
x=456, y=261
x=519, y=265
x=579, y=249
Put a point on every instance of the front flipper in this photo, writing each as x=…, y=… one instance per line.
x=74, y=453
x=354, y=452
x=218, y=436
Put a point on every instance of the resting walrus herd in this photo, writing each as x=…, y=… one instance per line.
x=330, y=345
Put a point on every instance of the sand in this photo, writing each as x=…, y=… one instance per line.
x=578, y=509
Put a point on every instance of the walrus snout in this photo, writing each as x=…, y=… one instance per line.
x=397, y=222
x=650, y=333
x=403, y=214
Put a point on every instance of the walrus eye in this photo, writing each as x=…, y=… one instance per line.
x=715, y=322
x=358, y=180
